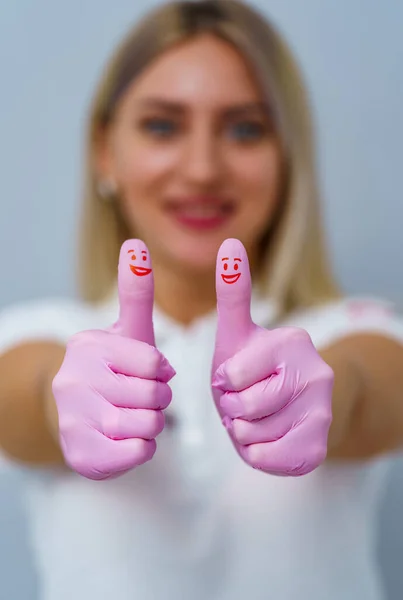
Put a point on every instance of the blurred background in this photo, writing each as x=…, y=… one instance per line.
x=51, y=54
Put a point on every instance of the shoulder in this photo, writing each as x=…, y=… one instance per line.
x=55, y=319
x=329, y=322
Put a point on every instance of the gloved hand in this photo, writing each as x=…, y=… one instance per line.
x=113, y=384
x=271, y=388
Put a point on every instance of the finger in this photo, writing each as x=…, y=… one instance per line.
x=276, y=426
x=233, y=287
x=133, y=392
x=261, y=399
x=101, y=457
x=136, y=292
x=297, y=453
x=268, y=429
x=133, y=358
x=128, y=423
x=249, y=365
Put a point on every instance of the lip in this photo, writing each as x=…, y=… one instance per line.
x=140, y=271
x=178, y=209
x=230, y=278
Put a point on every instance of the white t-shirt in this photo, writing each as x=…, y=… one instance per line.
x=196, y=522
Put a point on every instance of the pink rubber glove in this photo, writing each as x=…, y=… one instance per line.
x=113, y=385
x=272, y=389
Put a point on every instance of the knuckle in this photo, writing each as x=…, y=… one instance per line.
x=145, y=450
x=154, y=360
x=297, y=334
x=75, y=340
x=235, y=373
x=323, y=371
x=164, y=396
x=157, y=422
x=79, y=462
x=68, y=423
x=63, y=382
x=327, y=372
x=240, y=431
x=317, y=453
x=298, y=464
x=58, y=384
x=322, y=379
x=84, y=339
x=153, y=391
x=256, y=456
x=78, y=340
x=67, y=388
x=312, y=458
x=323, y=416
x=102, y=464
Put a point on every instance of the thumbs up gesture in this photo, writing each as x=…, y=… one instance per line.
x=113, y=385
x=271, y=388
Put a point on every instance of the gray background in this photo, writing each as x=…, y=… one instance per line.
x=50, y=56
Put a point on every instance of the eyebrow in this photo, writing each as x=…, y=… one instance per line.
x=245, y=109
x=229, y=111
x=160, y=103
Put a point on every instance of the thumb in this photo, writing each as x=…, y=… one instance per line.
x=234, y=287
x=136, y=292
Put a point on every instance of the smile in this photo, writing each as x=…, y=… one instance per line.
x=230, y=278
x=140, y=271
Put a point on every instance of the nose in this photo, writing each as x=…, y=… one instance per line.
x=201, y=163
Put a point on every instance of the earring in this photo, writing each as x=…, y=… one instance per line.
x=107, y=189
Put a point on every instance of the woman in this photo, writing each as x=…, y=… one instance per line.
x=200, y=148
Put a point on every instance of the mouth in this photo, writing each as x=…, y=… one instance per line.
x=201, y=212
x=140, y=271
x=230, y=278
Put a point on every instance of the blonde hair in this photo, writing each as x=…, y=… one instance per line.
x=294, y=262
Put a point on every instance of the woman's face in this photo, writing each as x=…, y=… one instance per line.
x=192, y=151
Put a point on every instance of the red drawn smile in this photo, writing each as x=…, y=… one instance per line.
x=139, y=271
x=231, y=278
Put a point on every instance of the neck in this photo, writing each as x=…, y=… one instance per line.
x=181, y=296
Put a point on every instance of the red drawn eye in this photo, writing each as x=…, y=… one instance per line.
x=133, y=257
x=225, y=266
x=144, y=258
x=236, y=266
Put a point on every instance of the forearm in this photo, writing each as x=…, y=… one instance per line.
x=367, y=396
x=28, y=416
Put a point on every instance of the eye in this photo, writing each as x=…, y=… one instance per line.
x=225, y=266
x=160, y=127
x=144, y=257
x=133, y=257
x=236, y=266
x=246, y=131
